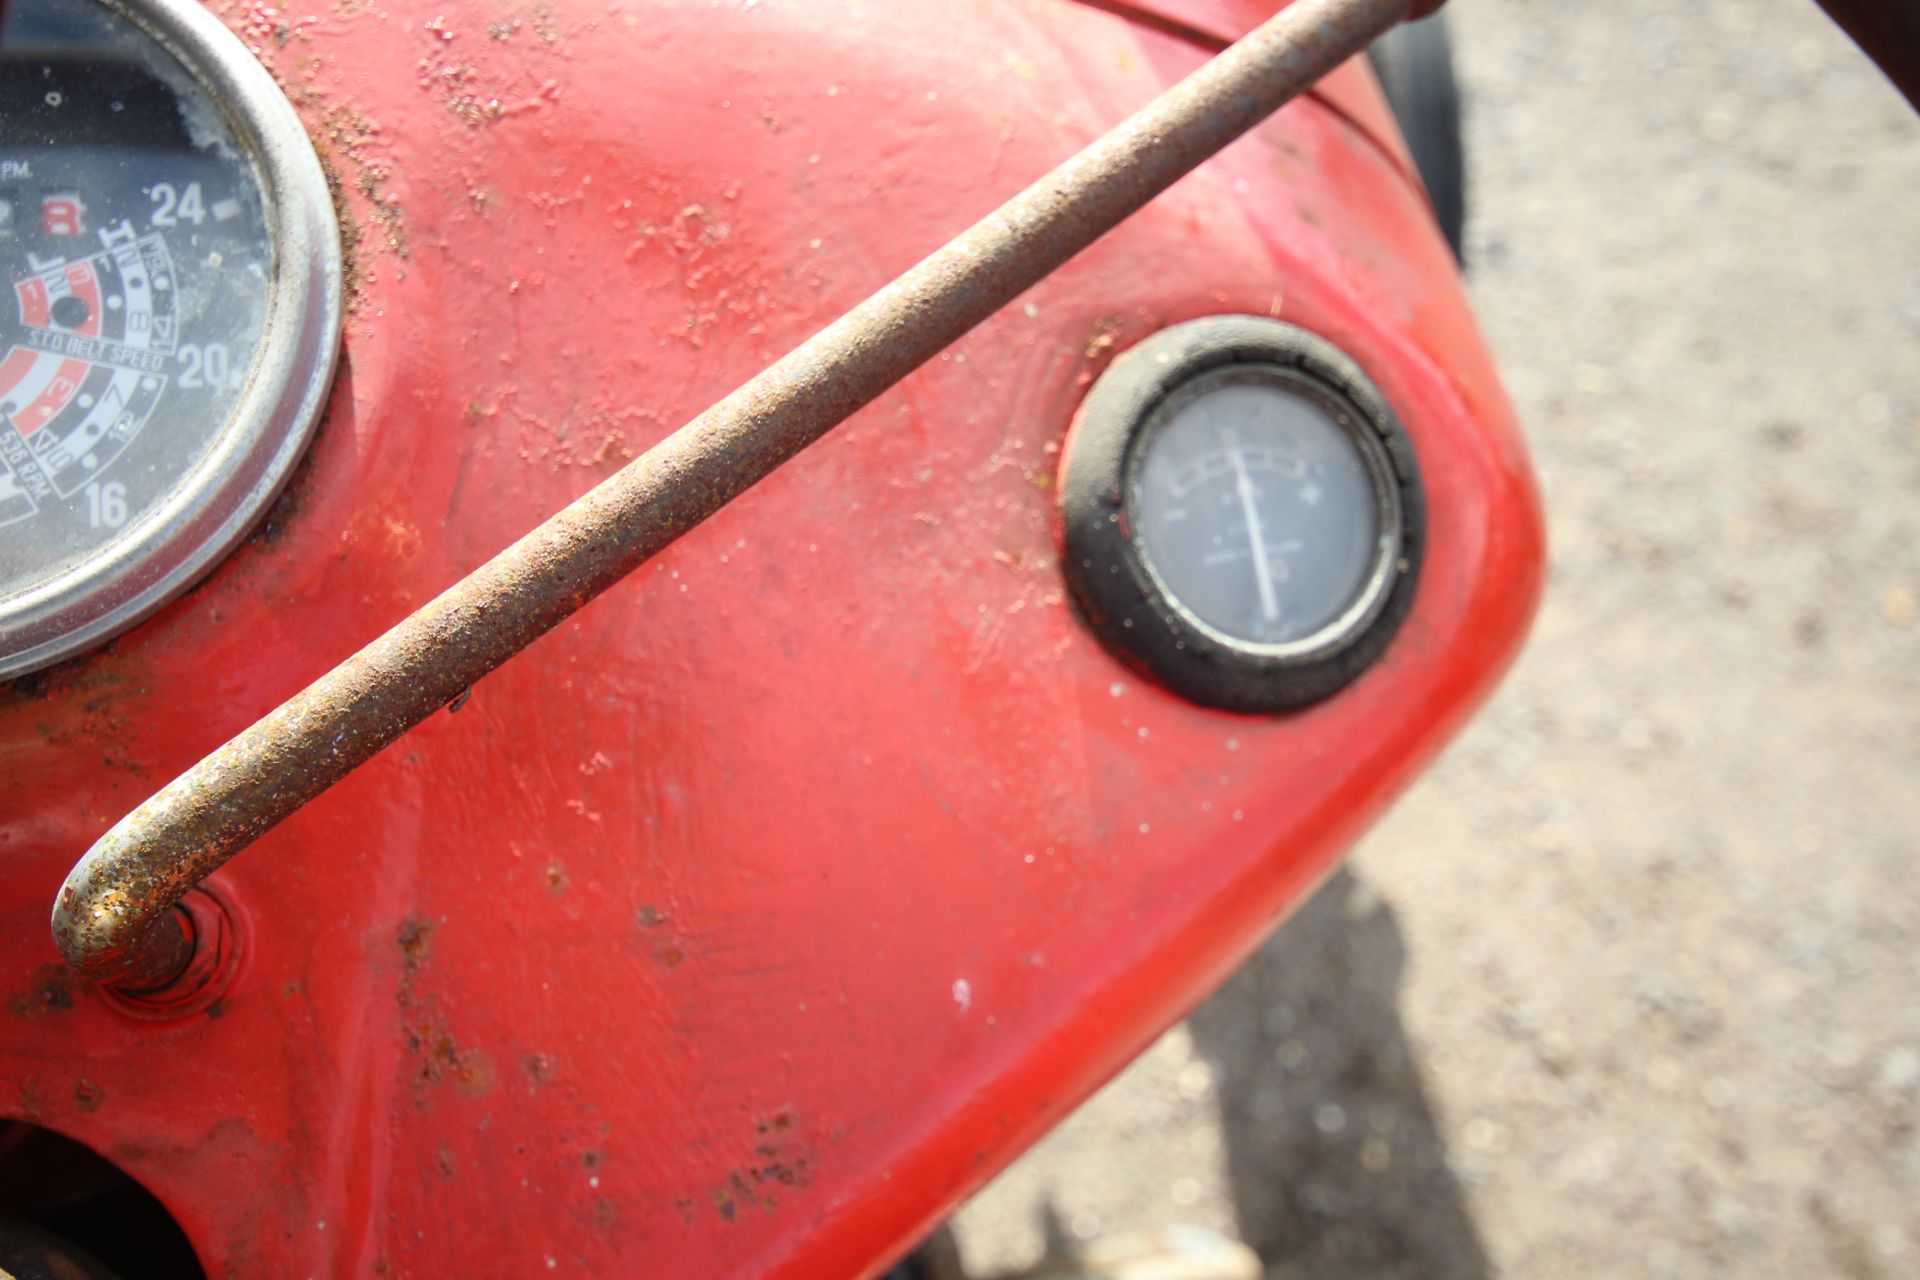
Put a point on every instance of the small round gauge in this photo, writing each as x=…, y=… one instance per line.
x=169, y=310
x=1242, y=514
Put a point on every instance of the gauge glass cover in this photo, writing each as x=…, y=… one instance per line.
x=168, y=310
x=1253, y=509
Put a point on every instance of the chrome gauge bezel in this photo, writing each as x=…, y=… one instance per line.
x=1126, y=600
x=182, y=536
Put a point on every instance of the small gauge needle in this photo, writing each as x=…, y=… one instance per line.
x=1243, y=483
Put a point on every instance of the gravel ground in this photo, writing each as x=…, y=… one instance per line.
x=1626, y=986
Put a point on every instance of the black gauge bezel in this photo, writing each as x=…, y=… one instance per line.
x=256, y=449
x=1119, y=593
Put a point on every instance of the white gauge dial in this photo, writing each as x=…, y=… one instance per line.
x=1255, y=510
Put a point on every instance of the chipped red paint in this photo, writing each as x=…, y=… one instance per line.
x=764, y=909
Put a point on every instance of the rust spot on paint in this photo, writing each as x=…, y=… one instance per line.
x=649, y=917
x=539, y=1067
x=350, y=275
x=473, y=1075
x=442, y=1059
x=671, y=956
x=30, y=686
x=604, y=1214
x=87, y=1095
x=444, y=1049
x=782, y=1158
x=556, y=879
x=779, y=1169
x=416, y=941
x=443, y=1156
x=51, y=992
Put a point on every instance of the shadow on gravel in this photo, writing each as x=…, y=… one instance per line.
x=1336, y=1168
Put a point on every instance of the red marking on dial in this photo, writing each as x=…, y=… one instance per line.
x=15, y=368
x=36, y=308
x=62, y=215
x=59, y=393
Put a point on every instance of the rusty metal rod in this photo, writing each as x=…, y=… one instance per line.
x=112, y=920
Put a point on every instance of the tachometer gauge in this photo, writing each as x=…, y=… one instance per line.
x=169, y=310
x=1242, y=514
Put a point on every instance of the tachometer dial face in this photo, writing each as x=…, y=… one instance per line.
x=1242, y=514
x=1254, y=508
x=145, y=413
x=137, y=273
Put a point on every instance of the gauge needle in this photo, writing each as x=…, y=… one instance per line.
x=1243, y=484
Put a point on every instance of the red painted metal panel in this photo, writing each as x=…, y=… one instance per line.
x=754, y=917
x=1351, y=91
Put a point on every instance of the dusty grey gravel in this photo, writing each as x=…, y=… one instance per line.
x=1629, y=985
